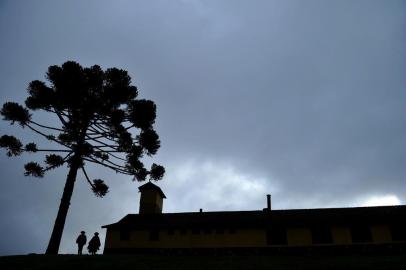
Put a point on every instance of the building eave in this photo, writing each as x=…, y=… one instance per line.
x=263, y=218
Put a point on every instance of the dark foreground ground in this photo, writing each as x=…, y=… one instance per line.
x=150, y=262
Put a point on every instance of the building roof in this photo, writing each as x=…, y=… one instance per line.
x=151, y=186
x=265, y=218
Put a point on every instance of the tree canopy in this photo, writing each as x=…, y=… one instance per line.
x=101, y=121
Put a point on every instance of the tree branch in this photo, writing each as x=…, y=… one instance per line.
x=114, y=164
x=48, y=136
x=103, y=129
x=103, y=144
x=50, y=150
x=64, y=160
x=43, y=126
x=114, y=156
x=109, y=153
x=59, y=114
x=98, y=131
x=127, y=128
x=87, y=177
x=90, y=159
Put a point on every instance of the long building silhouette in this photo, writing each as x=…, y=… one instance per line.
x=358, y=228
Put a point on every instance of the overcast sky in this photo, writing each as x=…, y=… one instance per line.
x=301, y=99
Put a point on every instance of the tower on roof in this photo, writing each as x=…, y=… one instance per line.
x=151, y=199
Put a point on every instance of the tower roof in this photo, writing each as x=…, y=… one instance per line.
x=151, y=186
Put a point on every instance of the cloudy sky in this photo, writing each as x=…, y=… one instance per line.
x=301, y=99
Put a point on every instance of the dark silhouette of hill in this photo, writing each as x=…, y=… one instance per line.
x=141, y=262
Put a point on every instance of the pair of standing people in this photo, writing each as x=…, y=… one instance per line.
x=93, y=246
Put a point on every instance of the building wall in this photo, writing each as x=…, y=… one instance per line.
x=381, y=234
x=341, y=235
x=188, y=239
x=296, y=236
x=299, y=236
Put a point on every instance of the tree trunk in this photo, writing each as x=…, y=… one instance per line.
x=56, y=236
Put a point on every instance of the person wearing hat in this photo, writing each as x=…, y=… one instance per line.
x=81, y=241
x=94, y=244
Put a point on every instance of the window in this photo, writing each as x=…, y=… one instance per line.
x=171, y=231
x=207, y=231
x=232, y=231
x=276, y=236
x=360, y=234
x=321, y=235
x=124, y=234
x=398, y=232
x=154, y=235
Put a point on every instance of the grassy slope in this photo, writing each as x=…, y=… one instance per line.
x=150, y=262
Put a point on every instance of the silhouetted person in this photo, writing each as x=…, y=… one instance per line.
x=94, y=244
x=81, y=241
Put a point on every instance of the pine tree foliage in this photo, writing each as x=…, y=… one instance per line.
x=98, y=112
x=100, y=121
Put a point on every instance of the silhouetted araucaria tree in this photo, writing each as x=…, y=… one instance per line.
x=100, y=121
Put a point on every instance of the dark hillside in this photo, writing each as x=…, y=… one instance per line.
x=141, y=262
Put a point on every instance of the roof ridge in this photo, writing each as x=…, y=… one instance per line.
x=286, y=210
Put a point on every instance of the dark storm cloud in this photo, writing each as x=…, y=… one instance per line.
x=303, y=99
